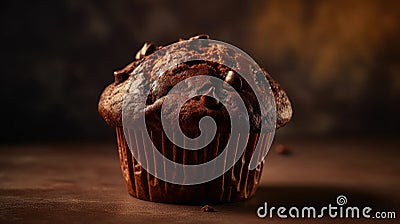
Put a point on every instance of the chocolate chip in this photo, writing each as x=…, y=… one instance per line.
x=207, y=208
x=123, y=74
x=200, y=36
x=234, y=80
x=147, y=49
x=208, y=101
x=120, y=76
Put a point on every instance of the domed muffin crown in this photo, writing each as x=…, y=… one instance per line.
x=111, y=100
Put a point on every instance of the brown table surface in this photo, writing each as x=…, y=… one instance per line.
x=82, y=183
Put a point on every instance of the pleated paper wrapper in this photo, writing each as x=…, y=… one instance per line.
x=236, y=184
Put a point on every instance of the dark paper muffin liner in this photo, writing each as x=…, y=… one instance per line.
x=238, y=183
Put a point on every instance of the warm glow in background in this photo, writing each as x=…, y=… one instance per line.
x=337, y=60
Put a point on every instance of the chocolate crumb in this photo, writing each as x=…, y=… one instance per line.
x=207, y=208
x=282, y=149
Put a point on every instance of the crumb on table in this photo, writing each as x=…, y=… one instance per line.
x=207, y=208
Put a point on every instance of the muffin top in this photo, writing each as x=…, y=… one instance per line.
x=111, y=100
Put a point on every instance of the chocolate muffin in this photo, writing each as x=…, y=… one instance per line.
x=235, y=184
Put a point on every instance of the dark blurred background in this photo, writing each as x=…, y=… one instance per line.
x=337, y=60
